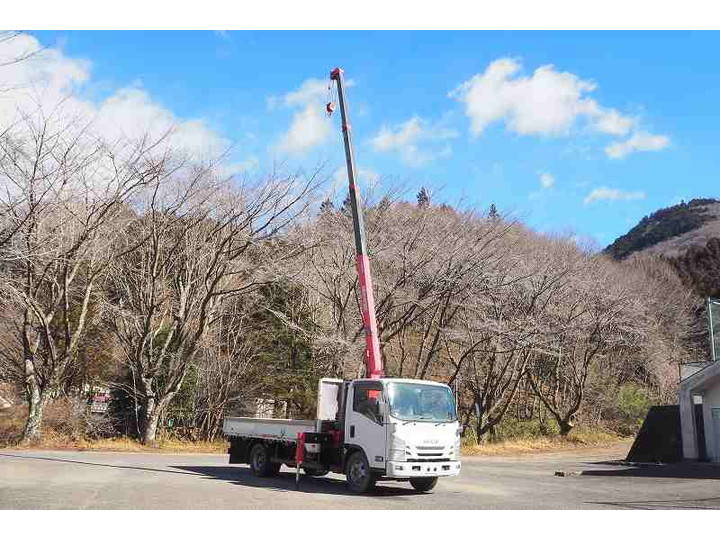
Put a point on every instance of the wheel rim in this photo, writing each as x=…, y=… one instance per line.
x=358, y=471
x=259, y=461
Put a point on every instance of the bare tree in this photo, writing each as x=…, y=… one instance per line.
x=192, y=245
x=63, y=198
x=591, y=319
x=229, y=368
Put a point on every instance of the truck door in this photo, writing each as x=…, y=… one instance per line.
x=364, y=423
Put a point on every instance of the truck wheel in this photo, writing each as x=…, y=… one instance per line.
x=260, y=461
x=360, y=478
x=423, y=484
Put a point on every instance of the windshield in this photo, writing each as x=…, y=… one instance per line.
x=422, y=402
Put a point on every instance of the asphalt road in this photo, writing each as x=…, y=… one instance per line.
x=108, y=480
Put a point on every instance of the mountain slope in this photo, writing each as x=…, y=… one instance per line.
x=687, y=235
x=671, y=231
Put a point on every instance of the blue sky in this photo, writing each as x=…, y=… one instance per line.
x=504, y=138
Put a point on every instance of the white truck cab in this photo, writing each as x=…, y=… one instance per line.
x=406, y=428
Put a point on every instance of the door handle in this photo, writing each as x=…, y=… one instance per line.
x=352, y=431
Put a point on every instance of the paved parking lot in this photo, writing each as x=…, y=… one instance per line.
x=107, y=480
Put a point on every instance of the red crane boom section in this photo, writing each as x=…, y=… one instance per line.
x=373, y=359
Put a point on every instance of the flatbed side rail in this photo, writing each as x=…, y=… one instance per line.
x=266, y=428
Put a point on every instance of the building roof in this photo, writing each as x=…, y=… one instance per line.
x=703, y=378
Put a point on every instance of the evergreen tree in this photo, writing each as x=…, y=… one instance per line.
x=384, y=204
x=493, y=213
x=326, y=206
x=423, y=198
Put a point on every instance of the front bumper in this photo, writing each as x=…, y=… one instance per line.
x=415, y=469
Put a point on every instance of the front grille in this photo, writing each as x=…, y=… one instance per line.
x=441, y=448
x=421, y=460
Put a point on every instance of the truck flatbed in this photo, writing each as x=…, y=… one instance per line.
x=277, y=429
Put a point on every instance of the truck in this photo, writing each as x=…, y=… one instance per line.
x=370, y=429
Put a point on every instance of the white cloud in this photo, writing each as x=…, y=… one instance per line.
x=310, y=90
x=547, y=180
x=310, y=125
x=309, y=128
x=609, y=194
x=613, y=123
x=548, y=102
x=238, y=167
x=43, y=79
x=131, y=113
x=641, y=141
x=415, y=140
x=405, y=134
x=51, y=81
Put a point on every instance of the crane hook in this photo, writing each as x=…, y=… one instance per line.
x=330, y=108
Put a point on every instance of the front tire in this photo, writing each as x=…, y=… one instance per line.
x=260, y=461
x=360, y=478
x=423, y=484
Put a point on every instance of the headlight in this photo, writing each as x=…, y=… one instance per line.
x=397, y=449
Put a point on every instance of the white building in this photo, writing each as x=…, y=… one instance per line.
x=700, y=385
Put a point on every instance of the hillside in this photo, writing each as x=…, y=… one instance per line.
x=671, y=231
x=687, y=234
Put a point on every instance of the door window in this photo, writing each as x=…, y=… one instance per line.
x=366, y=401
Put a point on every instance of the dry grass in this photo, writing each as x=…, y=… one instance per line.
x=532, y=445
x=12, y=421
x=126, y=444
x=65, y=429
x=57, y=436
x=54, y=441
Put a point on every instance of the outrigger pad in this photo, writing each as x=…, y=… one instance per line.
x=659, y=438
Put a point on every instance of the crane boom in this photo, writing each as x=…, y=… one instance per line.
x=373, y=359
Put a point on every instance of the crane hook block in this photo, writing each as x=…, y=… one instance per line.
x=330, y=108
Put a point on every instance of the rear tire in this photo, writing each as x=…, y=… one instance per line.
x=423, y=484
x=360, y=479
x=260, y=461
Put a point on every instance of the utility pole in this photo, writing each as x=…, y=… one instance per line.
x=373, y=359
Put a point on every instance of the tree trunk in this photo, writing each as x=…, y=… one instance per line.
x=565, y=426
x=151, y=418
x=36, y=405
x=485, y=430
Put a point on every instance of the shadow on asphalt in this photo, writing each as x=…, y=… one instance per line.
x=240, y=475
x=688, y=471
x=78, y=462
x=285, y=481
x=694, y=471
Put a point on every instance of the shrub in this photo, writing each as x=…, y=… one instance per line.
x=632, y=404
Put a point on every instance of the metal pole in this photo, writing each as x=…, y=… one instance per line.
x=710, y=303
x=373, y=359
